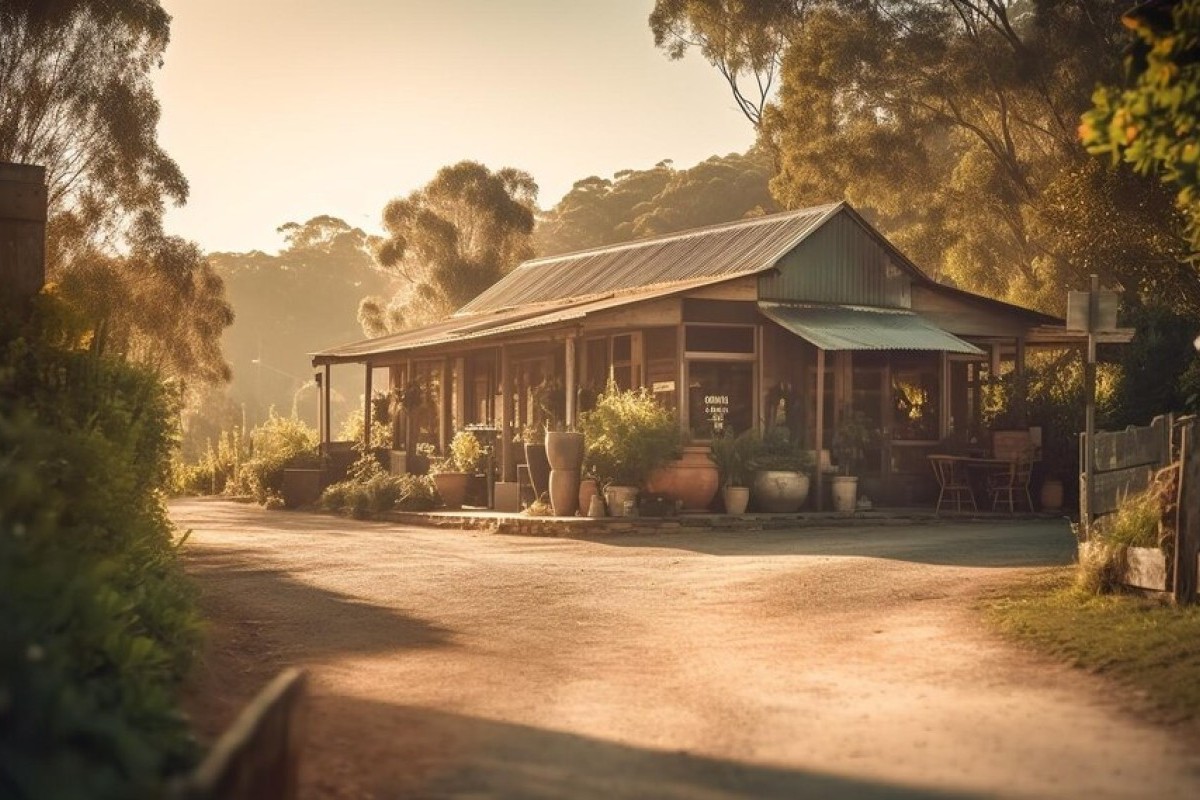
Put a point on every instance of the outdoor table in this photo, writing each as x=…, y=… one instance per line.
x=971, y=465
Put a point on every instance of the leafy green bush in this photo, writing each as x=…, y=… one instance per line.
x=99, y=620
x=370, y=490
x=215, y=472
x=775, y=450
x=277, y=444
x=466, y=455
x=628, y=435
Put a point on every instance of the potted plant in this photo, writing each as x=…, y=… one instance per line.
x=691, y=479
x=850, y=441
x=564, y=452
x=780, y=470
x=450, y=474
x=731, y=455
x=534, y=443
x=628, y=435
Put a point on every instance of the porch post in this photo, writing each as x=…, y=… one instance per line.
x=1019, y=364
x=819, y=473
x=327, y=434
x=409, y=377
x=506, y=474
x=994, y=361
x=569, y=379
x=443, y=407
x=367, y=408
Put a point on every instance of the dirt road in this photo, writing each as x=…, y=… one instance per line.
x=814, y=663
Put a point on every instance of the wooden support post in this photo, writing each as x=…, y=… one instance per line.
x=994, y=362
x=1088, y=497
x=1187, y=521
x=569, y=380
x=819, y=473
x=507, y=461
x=326, y=396
x=367, y=389
x=1085, y=504
x=1019, y=363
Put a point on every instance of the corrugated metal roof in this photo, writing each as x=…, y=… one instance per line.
x=470, y=327
x=832, y=327
x=716, y=252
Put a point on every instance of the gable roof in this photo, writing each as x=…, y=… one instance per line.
x=716, y=252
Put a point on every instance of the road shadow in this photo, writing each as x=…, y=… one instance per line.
x=299, y=620
x=404, y=751
x=963, y=544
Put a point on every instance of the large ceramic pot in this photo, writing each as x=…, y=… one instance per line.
x=691, y=479
x=621, y=498
x=564, y=449
x=779, y=492
x=539, y=468
x=844, y=491
x=736, y=499
x=452, y=486
x=564, y=492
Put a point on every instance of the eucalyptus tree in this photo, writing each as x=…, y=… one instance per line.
x=450, y=240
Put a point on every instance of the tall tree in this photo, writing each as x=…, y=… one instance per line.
x=450, y=240
x=290, y=303
x=946, y=122
x=1153, y=123
x=663, y=199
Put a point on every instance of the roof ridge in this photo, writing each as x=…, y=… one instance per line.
x=683, y=234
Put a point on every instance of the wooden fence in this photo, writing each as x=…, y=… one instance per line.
x=1124, y=463
x=258, y=758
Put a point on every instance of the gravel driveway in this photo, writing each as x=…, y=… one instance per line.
x=810, y=663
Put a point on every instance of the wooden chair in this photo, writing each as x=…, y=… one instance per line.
x=953, y=483
x=1012, y=484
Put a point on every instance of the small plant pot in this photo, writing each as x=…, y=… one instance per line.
x=452, y=487
x=621, y=500
x=736, y=498
x=587, y=490
x=844, y=490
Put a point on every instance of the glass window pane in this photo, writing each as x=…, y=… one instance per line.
x=720, y=397
x=719, y=339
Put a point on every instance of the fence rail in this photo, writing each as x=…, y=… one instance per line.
x=1124, y=462
x=258, y=758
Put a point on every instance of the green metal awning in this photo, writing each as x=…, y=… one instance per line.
x=833, y=327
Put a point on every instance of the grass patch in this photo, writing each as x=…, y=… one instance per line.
x=1141, y=642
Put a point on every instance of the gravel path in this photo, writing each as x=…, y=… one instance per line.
x=831, y=663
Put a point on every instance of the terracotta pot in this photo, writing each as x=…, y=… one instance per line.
x=452, y=487
x=587, y=490
x=539, y=468
x=564, y=449
x=844, y=491
x=691, y=479
x=564, y=492
x=779, y=492
x=618, y=497
x=736, y=499
x=1052, y=494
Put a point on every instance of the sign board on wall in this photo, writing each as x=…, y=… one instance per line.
x=1078, y=312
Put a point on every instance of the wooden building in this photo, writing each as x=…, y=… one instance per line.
x=795, y=318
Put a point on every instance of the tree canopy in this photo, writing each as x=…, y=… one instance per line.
x=76, y=97
x=952, y=125
x=1153, y=124
x=638, y=203
x=450, y=240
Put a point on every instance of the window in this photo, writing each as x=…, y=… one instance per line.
x=916, y=398
x=720, y=397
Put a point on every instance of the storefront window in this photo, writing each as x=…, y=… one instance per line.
x=720, y=397
x=916, y=396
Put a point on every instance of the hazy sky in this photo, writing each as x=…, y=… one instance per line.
x=279, y=110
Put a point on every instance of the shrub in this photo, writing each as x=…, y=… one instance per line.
x=466, y=455
x=99, y=620
x=775, y=450
x=371, y=490
x=277, y=444
x=628, y=435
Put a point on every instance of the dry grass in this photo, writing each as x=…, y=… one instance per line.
x=1142, y=642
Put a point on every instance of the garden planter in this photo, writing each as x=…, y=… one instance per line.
x=779, y=492
x=564, y=449
x=301, y=487
x=587, y=490
x=539, y=468
x=564, y=492
x=452, y=487
x=844, y=492
x=621, y=500
x=1052, y=494
x=691, y=479
x=736, y=498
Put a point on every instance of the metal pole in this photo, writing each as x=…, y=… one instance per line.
x=1089, y=390
x=819, y=474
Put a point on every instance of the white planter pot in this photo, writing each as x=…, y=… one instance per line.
x=845, y=492
x=736, y=499
x=618, y=497
x=779, y=492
